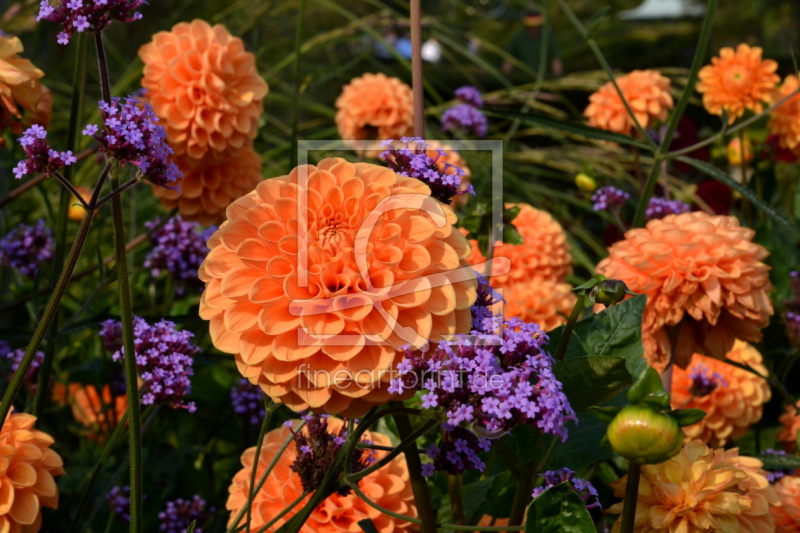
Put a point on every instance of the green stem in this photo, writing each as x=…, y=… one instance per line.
x=298, y=42
x=261, y=433
x=631, y=498
x=456, y=499
x=406, y=443
x=126, y=315
x=522, y=497
x=569, y=327
x=746, y=207
x=418, y=484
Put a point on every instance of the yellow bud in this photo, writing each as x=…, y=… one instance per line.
x=76, y=210
x=585, y=182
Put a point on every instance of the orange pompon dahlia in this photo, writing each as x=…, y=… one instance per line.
x=389, y=487
x=318, y=277
x=204, y=87
x=375, y=106
x=27, y=468
x=647, y=94
x=736, y=400
x=791, y=426
x=543, y=255
x=543, y=302
x=787, y=514
x=20, y=88
x=209, y=186
x=701, y=490
x=785, y=120
x=701, y=273
x=99, y=413
x=738, y=80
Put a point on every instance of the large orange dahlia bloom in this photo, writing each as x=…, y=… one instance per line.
x=701, y=273
x=544, y=254
x=389, y=487
x=787, y=514
x=543, y=302
x=27, y=467
x=97, y=412
x=785, y=120
x=733, y=406
x=375, y=106
x=647, y=94
x=701, y=490
x=209, y=186
x=205, y=88
x=20, y=88
x=791, y=425
x=738, y=80
x=314, y=302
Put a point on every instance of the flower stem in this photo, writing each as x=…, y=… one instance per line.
x=298, y=44
x=631, y=498
x=418, y=484
x=102, y=64
x=117, y=191
x=261, y=433
x=126, y=315
x=456, y=499
x=522, y=496
x=570, y=326
x=416, y=70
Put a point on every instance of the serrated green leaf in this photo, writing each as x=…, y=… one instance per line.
x=558, y=510
x=687, y=417
x=605, y=414
x=590, y=381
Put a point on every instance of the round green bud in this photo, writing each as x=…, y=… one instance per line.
x=645, y=436
x=610, y=292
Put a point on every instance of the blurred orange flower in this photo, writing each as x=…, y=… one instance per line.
x=205, y=88
x=19, y=86
x=791, y=425
x=544, y=254
x=700, y=272
x=543, y=302
x=389, y=487
x=314, y=299
x=99, y=414
x=26, y=474
x=738, y=80
x=375, y=106
x=701, y=490
x=787, y=514
x=785, y=120
x=76, y=210
x=208, y=187
x=647, y=94
x=734, y=405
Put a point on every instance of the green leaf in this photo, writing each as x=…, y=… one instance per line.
x=605, y=414
x=367, y=526
x=649, y=390
x=745, y=191
x=590, y=381
x=779, y=462
x=191, y=527
x=511, y=235
x=558, y=510
x=687, y=417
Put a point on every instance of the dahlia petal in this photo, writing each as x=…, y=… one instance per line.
x=223, y=339
x=25, y=507
x=7, y=495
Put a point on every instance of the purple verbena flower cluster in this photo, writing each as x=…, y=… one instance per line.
x=317, y=449
x=179, y=248
x=163, y=359
x=704, y=382
x=131, y=134
x=181, y=513
x=25, y=248
x=608, y=198
x=465, y=117
x=412, y=160
x=88, y=15
x=458, y=452
x=791, y=315
x=482, y=308
x=40, y=157
x=583, y=488
x=661, y=207
x=774, y=476
x=470, y=95
x=247, y=400
x=16, y=356
x=119, y=501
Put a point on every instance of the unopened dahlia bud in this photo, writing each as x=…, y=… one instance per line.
x=644, y=436
x=585, y=182
x=610, y=292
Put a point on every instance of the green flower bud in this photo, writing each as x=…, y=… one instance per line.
x=610, y=292
x=644, y=436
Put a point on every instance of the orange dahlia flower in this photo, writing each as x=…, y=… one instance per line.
x=734, y=405
x=738, y=80
x=204, y=87
x=791, y=425
x=544, y=254
x=389, y=487
x=787, y=514
x=701, y=490
x=318, y=277
x=375, y=106
x=701, y=273
x=209, y=186
x=785, y=120
x=543, y=302
x=27, y=467
x=20, y=88
x=647, y=94
x=99, y=413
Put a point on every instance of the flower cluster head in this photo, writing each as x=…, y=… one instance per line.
x=609, y=198
x=413, y=160
x=88, y=15
x=490, y=382
x=447, y=160
x=119, y=501
x=774, y=476
x=466, y=118
x=583, y=488
x=179, y=248
x=484, y=305
x=457, y=452
x=661, y=207
x=163, y=359
x=470, y=95
x=15, y=357
x=131, y=134
x=647, y=94
x=247, y=400
x=40, y=157
x=25, y=248
x=179, y=515
x=704, y=381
